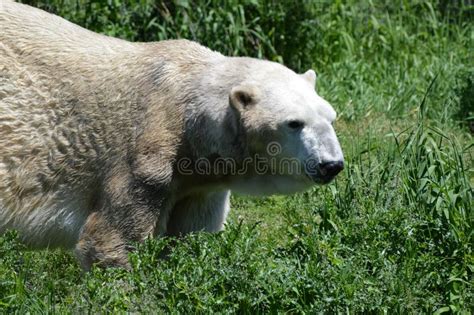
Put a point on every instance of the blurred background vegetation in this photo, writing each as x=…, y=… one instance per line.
x=392, y=234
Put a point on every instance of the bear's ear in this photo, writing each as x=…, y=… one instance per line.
x=243, y=96
x=310, y=76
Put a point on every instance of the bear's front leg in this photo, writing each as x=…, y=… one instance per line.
x=129, y=213
x=101, y=243
x=202, y=212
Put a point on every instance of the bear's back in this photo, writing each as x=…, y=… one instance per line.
x=38, y=32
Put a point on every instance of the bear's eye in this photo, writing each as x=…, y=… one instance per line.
x=296, y=124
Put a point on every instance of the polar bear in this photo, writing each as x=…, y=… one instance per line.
x=105, y=142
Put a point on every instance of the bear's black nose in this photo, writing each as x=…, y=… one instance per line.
x=331, y=169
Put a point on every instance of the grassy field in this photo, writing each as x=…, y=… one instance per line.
x=393, y=233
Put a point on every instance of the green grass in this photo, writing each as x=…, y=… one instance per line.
x=394, y=232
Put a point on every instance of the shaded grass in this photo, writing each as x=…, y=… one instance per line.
x=393, y=233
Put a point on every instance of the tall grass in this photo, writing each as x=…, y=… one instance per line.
x=392, y=234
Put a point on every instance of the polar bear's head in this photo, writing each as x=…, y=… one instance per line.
x=285, y=129
x=289, y=126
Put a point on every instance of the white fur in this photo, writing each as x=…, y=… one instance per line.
x=55, y=223
x=260, y=185
x=203, y=213
x=287, y=96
